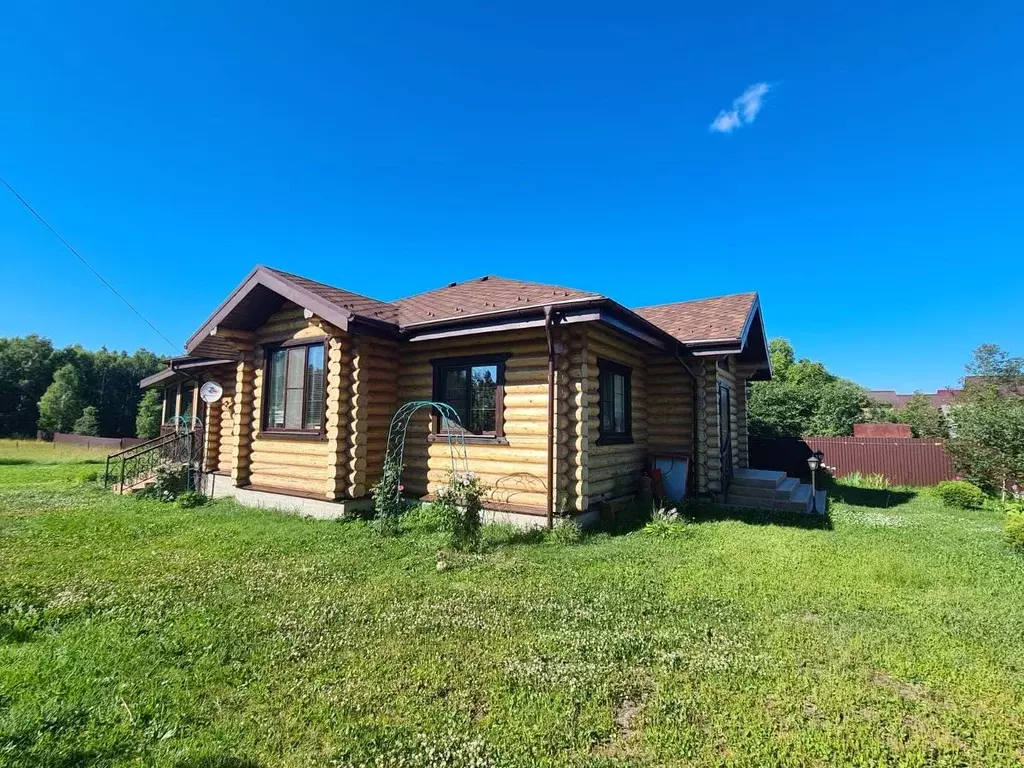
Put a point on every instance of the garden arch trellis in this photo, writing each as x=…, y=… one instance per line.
x=395, y=455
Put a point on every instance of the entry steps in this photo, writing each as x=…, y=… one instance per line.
x=768, y=489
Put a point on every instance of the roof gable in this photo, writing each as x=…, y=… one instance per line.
x=262, y=293
x=723, y=318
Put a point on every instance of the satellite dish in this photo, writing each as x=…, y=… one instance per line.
x=211, y=392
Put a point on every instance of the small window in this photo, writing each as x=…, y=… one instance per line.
x=614, y=402
x=474, y=388
x=295, y=389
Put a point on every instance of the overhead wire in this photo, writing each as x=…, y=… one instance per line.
x=88, y=266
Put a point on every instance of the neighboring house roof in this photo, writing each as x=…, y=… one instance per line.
x=721, y=325
x=723, y=318
x=938, y=399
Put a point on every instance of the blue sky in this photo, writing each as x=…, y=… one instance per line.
x=874, y=200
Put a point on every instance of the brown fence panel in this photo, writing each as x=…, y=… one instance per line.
x=114, y=443
x=904, y=460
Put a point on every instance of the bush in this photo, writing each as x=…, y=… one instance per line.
x=388, y=504
x=960, y=494
x=1015, y=530
x=191, y=500
x=458, y=506
x=859, y=480
x=566, y=533
x=169, y=483
x=666, y=523
x=87, y=476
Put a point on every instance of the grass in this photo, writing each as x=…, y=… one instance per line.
x=19, y=452
x=137, y=633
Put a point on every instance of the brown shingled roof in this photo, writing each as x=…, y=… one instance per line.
x=357, y=304
x=717, y=319
x=481, y=296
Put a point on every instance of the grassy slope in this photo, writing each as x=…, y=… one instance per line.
x=135, y=633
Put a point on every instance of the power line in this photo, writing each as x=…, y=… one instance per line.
x=89, y=266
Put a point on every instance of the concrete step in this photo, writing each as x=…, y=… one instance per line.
x=786, y=488
x=782, y=492
x=799, y=500
x=758, y=478
x=752, y=502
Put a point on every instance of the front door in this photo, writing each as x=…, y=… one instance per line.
x=725, y=433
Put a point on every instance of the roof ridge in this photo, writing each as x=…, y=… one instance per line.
x=448, y=285
x=694, y=301
x=483, y=278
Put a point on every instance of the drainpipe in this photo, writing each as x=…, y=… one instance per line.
x=548, y=320
x=694, y=406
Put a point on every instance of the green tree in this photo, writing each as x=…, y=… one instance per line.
x=987, y=443
x=87, y=423
x=780, y=351
x=778, y=409
x=26, y=370
x=838, y=405
x=61, y=404
x=803, y=398
x=925, y=419
x=147, y=421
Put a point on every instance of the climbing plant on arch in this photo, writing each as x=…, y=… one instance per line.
x=394, y=458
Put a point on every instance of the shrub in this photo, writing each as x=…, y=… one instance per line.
x=566, y=533
x=458, y=506
x=960, y=494
x=191, y=500
x=1015, y=530
x=859, y=480
x=87, y=476
x=388, y=504
x=666, y=523
x=169, y=483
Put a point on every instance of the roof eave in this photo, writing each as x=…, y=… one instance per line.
x=586, y=309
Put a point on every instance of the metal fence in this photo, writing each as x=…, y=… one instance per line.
x=117, y=443
x=904, y=460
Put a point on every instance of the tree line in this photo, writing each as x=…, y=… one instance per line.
x=70, y=389
x=984, y=428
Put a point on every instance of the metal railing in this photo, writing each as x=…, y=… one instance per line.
x=141, y=462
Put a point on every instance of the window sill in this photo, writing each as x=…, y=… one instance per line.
x=283, y=435
x=470, y=439
x=615, y=440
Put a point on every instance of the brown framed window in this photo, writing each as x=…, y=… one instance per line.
x=294, y=391
x=475, y=388
x=615, y=402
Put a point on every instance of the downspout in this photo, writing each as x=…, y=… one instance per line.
x=694, y=407
x=548, y=320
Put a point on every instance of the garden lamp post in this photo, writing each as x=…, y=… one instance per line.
x=814, y=462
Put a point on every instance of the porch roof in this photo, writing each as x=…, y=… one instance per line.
x=181, y=368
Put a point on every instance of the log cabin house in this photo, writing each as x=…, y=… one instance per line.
x=565, y=395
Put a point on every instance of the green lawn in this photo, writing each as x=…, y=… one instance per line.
x=136, y=633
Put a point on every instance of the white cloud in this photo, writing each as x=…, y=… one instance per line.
x=744, y=109
x=726, y=121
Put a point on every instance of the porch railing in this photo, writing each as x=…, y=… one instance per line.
x=140, y=462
